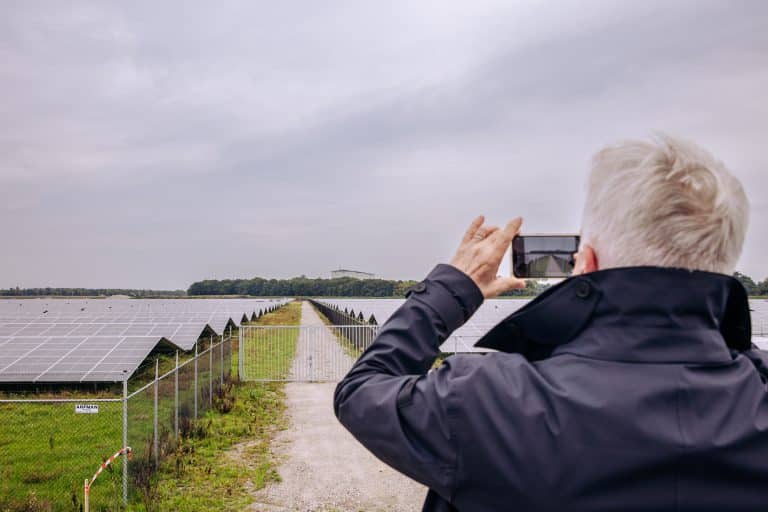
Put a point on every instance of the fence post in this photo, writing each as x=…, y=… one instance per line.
x=221, y=347
x=176, y=398
x=125, y=437
x=157, y=385
x=210, y=373
x=195, y=380
x=240, y=353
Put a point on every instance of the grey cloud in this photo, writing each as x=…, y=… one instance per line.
x=150, y=145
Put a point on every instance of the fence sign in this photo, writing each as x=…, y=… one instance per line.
x=86, y=408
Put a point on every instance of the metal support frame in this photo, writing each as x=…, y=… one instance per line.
x=196, y=390
x=176, y=398
x=156, y=441
x=240, y=353
x=221, y=355
x=210, y=372
x=125, y=438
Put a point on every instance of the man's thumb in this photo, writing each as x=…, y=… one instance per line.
x=503, y=284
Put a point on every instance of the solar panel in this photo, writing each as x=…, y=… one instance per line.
x=87, y=340
x=493, y=311
x=463, y=339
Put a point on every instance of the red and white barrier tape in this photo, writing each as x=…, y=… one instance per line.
x=127, y=450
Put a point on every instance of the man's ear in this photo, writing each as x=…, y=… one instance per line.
x=586, y=261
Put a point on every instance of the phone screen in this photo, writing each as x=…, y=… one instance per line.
x=544, y=256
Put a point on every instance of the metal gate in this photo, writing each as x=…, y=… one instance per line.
x=310, y=353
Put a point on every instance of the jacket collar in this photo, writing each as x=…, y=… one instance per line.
x=633, y=314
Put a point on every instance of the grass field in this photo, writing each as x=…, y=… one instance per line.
x=47, y=450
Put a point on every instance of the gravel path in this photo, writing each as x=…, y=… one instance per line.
x=323, y=468
x=318, y=354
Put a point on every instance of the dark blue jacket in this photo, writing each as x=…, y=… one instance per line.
x=624, y=389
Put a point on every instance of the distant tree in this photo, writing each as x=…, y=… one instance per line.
x=532, y=288
x=87, y=292
x=747, y=282
x=313, y=287
x=401, y=287
x=762, y=287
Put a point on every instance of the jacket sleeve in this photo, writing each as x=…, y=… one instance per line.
x=391, y=401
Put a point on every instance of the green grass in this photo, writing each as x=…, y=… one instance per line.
x=46, y=451
x=220, y=470
x=270, y=352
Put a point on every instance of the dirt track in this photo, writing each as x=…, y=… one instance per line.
x=321, y=465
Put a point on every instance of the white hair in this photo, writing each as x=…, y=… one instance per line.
x=666, y=203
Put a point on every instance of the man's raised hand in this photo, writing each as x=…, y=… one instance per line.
x=480, y=254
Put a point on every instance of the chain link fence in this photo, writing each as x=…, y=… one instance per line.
x=760, y=327
x=307, y=353
x=50, y=446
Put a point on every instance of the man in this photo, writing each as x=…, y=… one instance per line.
x=631, y=386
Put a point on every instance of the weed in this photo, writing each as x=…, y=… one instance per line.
x=31, y=503
x=142, y=470
x=224, y=398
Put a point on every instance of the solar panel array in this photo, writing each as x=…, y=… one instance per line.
x=105, y=340
x=494, y=310
x=490, y=313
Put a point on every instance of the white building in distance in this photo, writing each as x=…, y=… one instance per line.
x=351, y=273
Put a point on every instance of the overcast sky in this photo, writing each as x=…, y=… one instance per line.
x=152, y=144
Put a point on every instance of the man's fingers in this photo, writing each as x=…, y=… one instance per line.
x=489, y=231
x=473, y=228
x=483, y=234
x=512, y=229
x=503, y=238
x=509, y=232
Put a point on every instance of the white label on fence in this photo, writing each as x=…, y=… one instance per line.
x=86, y=409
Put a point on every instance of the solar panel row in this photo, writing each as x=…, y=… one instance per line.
x=462, y=340
x=86, y=340
x=493, y=311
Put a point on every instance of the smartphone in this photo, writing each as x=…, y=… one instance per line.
x=544, y=256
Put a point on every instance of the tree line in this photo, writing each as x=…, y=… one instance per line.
x=299, y=287
x=753, y=288
x=319, y=287
x=350, y=287
x=87, y=292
